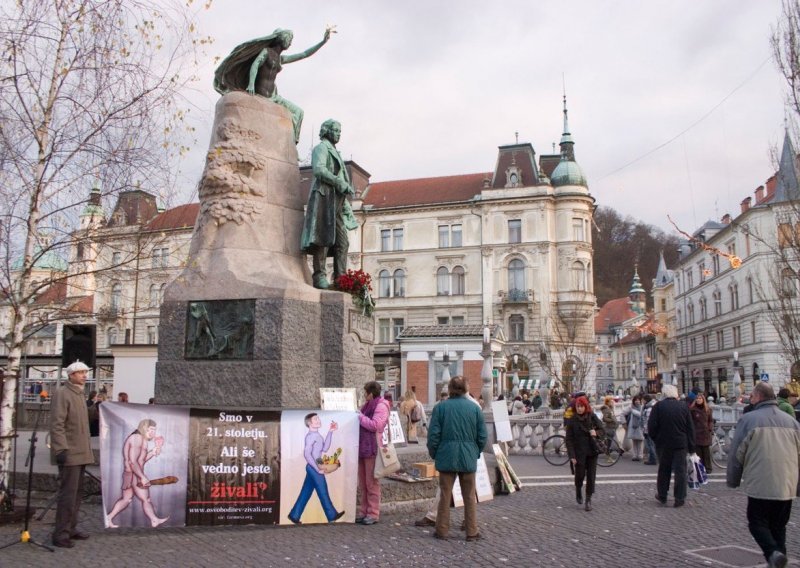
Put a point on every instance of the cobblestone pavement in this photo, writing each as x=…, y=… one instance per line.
x=540, y=526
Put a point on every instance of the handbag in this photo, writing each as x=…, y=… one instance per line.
x=700, y=471
x=386, y=460
x=691, y=471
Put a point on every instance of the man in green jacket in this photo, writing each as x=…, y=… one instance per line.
x=72, y=451
x=456, y=436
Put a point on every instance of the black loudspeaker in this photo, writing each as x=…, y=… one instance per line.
x=79, y=345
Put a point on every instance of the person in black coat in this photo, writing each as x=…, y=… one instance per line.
x=670, y=426
x=583, y=430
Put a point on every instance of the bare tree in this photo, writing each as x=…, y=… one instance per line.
x=90, y=92
x=568, y=355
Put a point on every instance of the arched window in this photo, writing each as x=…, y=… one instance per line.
x=516, y=276
x=116, y=297
x=703, y=309
x=734, y=289
x=442, y=282
x=717, y=302
x=458, y=281
x=384, y=284
x=788, y=283
x=690, y=314
x=155, y=292
x=578, y=276
x=111, y=335
x=399, y=283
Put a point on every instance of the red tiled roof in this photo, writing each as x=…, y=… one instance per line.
x=85, y=305
x=56, y=293
x=613, y=313
x=175, y=218
x=425, y=191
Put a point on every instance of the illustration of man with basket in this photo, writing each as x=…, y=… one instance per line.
x=316, y=470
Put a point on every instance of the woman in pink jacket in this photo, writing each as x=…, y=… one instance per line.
x=372, y=418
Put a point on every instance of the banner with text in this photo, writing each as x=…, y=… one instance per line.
x=176, y=466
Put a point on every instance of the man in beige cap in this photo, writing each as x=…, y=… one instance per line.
x=71, y=450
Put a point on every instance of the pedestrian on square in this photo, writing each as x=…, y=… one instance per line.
x=583, y=429
x=765, y=459
x=456, y=437
x=537, y=400
x=410, y=411
x=783, y=401
x=72, y=452
x=517, y=407
x=649, y=403
x=703, y=423
x=609, y=419
x=634, y=431
x=372, y=420
x=670, y=426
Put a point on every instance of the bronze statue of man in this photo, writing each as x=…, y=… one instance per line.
x=253, y=65
x=328, y=214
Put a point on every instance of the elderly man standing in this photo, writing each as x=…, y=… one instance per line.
x=671, y=428
x=71, y=450
x=765, y=459
x=456, y=436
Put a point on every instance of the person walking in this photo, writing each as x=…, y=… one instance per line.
x=765, y=458
x=410, y=411
x=372, y=419
x=456, y=436
x=583, y=429
x=649, y=403
x=703, y=423
x=71, y=450
x=670, y=426
x=609, y=421
x=634, y=431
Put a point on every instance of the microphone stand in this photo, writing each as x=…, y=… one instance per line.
x=25, y=535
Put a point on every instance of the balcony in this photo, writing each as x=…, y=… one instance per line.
x=575, y=306
x=516, y=296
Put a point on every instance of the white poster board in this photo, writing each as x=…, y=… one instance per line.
x=394, y=430
x=338, y=399
x=502, y=425
x=483, y=485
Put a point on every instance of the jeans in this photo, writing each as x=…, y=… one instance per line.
x=672, y=461
x=314, y=482
x=651, y=449
x=767, y=519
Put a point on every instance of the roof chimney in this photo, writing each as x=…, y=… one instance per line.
x=726, y=219
x=759, y=194
x=746, y=204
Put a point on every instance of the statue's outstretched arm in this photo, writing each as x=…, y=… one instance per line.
x=256, y=65
x=310, y=51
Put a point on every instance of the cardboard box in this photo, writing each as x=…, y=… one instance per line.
x=423, y=469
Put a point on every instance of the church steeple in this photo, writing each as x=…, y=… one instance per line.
x=637, y=294
x=567, y=145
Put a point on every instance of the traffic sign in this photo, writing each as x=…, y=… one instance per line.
x=764, y=378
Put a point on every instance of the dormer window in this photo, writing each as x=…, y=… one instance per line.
x=513, y=177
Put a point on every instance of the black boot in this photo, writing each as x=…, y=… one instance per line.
x=579, y=495
x=588, y=506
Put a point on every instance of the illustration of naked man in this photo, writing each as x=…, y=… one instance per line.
x=135, y=483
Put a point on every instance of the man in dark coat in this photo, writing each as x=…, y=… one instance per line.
x=456, y=436
x=670, y=426
x=328, y=215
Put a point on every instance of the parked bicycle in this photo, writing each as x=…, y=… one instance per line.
x=719, y=453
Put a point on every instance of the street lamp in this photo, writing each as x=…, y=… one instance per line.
x=486, y=372
x=514, y=376
x=737, y=380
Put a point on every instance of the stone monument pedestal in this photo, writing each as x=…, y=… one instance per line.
x=242, y=325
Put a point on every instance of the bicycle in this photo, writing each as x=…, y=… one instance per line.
x=612, y=454
x=719, y=454
x=554, y=450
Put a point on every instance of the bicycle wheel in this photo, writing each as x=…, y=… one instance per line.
x=718, y=454
x=554, y=450
x=611, y=457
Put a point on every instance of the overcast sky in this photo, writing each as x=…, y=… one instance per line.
x=673, y=105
